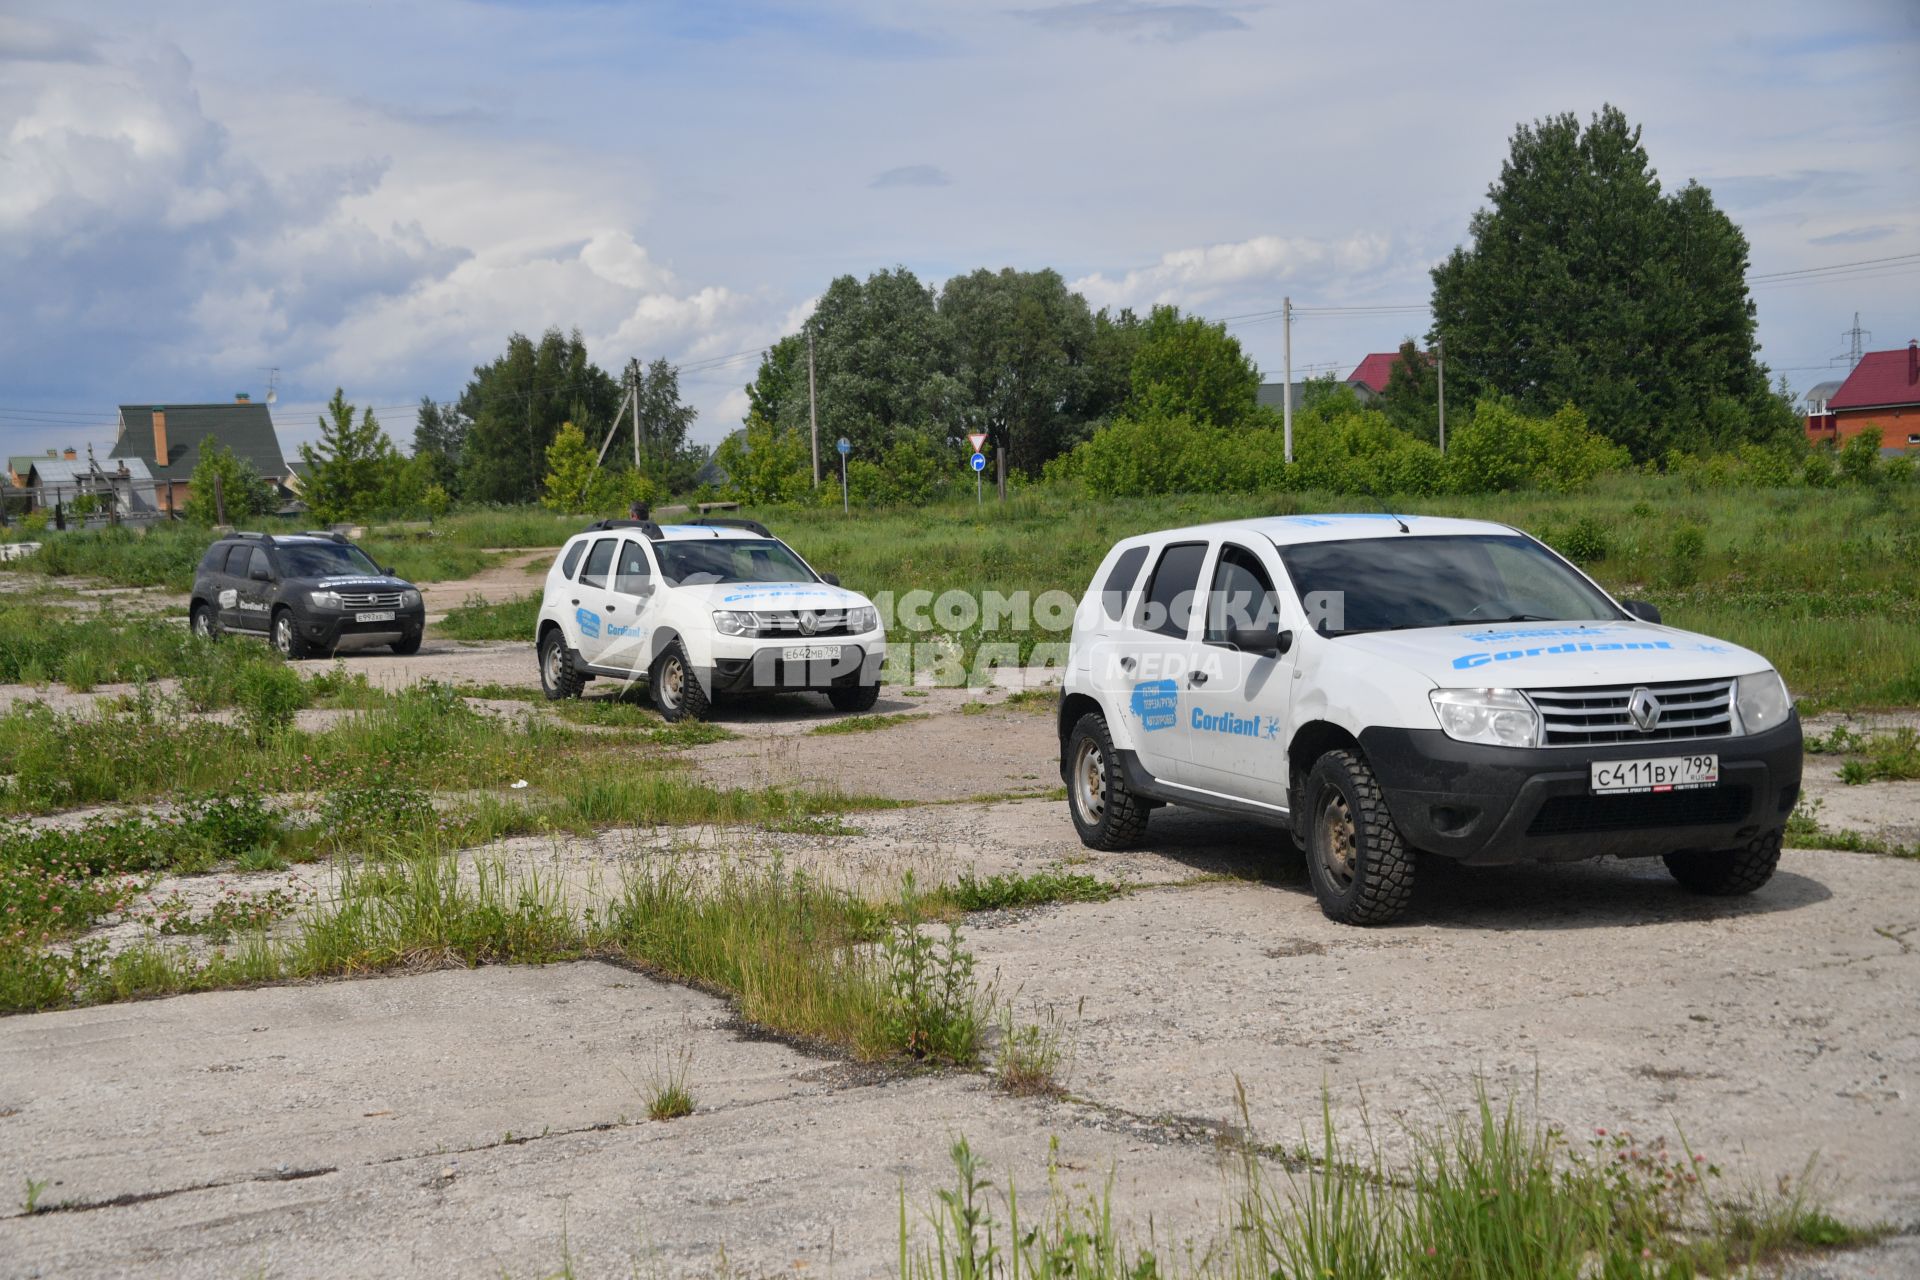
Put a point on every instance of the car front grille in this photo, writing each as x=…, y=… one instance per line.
x=1701, y=807
x=786, y=622
x=370, y=599
x=1598, y=716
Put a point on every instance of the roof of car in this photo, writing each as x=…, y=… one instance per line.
x=676, y=532
x=1335, y=526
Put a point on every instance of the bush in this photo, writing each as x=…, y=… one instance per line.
x=1585, y=541
x=267, y=694
x=1684, y=553
x=1501, y=449
x=1860, y=457
x=1363, y=453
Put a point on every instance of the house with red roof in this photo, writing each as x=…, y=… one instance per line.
x=1882, y=391
x=1374, y=372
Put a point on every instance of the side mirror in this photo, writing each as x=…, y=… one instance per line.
x=831, y=579
x=388, y=571
x=1261, y=641
x=1642, y=610
x=259, y=574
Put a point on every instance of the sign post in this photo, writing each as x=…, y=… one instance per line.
x=845, y=447
x=978, y=439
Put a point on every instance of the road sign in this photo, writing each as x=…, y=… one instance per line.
x=979, y=462
x=976, y=439
x=843, y=445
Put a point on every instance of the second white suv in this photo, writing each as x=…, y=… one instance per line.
x=1381, y=685
x=714, y=606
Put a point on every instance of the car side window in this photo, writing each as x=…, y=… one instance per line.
x=215, y=561
x=258, y=566
x=599, y=560
x=634, y=575
x=572, y=560
x=1126, y=572
x=1241, y=594
x=1168, y=607
x=237, y=557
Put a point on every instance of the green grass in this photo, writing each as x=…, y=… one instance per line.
x=167, y=555
x=1488, y=1197
x=1001, y=892
x=478, y=620
x=1893, y=756
x=668, y=1094
x=865, y=724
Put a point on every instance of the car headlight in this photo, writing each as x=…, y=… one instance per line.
x=409, y=599
x=1763, y=700
x=1498, y=717
x=324, y=599
x=729, y=623
x=863, y=619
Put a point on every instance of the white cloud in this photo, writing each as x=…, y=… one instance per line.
x=1193, y=277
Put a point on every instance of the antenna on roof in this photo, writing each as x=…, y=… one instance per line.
x=273, y=377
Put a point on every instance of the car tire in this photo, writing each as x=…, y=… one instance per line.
x=1361, y=868
x=558, y=679
x=1106, y=812
x=287, y=638
x=408, y=646
x=854, y=697
x=1727, y=873
x=677, y=691
x=205, y=625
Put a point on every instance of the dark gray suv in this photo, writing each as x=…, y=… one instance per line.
x=305, y=592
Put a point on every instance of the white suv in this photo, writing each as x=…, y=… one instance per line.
x=703, y=608
x=1379, y=685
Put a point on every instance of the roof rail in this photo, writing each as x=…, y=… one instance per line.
x=647, y=527
x=728, y=522
x=254, y=534
x=331, y=535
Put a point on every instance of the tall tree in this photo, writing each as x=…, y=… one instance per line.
x=664, y=422
x=1585, y=284
x=1018, y=342
x=516, y=405
x=1411, y=399
x=349, y=468
x=1185, y=365
x=880, y=360
x=439, y=438
x=778, y=392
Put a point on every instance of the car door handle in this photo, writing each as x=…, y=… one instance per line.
x=576, y=602
x=1196, y=677
x=1126, y=664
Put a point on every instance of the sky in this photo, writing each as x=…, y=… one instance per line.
x=376, y=196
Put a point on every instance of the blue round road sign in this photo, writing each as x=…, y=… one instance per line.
x=844, y=445
x=979, y=462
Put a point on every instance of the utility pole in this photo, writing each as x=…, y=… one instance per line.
x=813, y=409
x=633, y=392
x=1440, y=363
x=1859, y=336
x=1286, y=401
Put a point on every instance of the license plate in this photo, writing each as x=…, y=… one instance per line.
x=809, y=652
x=385, y=615
x=1668, y=773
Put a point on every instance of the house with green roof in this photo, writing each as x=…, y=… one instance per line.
x=170, y=437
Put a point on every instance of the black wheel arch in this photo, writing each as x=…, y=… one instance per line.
x=1311, y=741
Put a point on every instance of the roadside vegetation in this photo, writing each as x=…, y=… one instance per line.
x=1492, y=1195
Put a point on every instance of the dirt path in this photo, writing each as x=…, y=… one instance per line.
x=511, y=576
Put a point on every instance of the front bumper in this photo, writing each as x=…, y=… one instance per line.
x=766, y=670
x=1490, y=805
x=329, y=629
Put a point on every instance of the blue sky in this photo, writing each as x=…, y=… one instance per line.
x=375, y=196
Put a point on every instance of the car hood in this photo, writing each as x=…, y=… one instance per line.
x=1555, y=654
x=352, y=582
x=773, y=595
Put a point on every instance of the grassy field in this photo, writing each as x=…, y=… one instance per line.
x=1826, y=583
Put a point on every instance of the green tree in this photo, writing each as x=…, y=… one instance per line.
x=440, y=436
x=1187, y=367
x=1411, y=400
x=516, y=405
x=1017, y=342
x=880, y=362
x=242, y=490
x=574, y=484
x=1585, y=284
x=766, y=463
x=1860, y=457
x=349, y=469
x=778, y=392
x=666, y=456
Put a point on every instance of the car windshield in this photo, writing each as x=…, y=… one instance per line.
x=323, y=560
x=730, y=560
x=1401, y=583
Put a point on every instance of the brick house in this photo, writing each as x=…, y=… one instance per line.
x=1882, y=391
x=169, y=438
